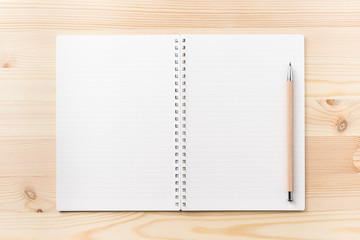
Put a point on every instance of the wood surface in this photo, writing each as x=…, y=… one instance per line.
x=27, y=116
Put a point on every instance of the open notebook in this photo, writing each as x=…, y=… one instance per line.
x=177, y=122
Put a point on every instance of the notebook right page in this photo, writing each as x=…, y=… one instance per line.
x=236, y=121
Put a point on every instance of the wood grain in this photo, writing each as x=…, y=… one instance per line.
x=27, y=116
x=107, y=14
x=332, y=117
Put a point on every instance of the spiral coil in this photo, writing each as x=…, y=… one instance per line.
x=180, y=123
x=183, y=123
x=177, y=125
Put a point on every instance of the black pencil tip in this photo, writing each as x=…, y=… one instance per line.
x=290, y=196
x=290, y=64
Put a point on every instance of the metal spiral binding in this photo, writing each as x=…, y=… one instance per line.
x=177, y=125
x=180, y=123
x=183, y=123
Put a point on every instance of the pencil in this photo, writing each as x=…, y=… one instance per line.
x=290, y=134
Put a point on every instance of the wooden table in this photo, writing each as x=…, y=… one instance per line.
x=27, y=116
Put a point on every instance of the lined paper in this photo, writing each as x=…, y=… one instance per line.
x=116, y=127
x=115, y=123
x=236, y=121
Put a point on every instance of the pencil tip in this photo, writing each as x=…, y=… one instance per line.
x=290, y=196
x=290, y=64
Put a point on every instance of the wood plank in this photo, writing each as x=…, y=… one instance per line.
x=217, y=225
x=110, y=14
x=36, y=119
x=24, y=120
x=27, y=68
x=24, y=157
x=27, y=182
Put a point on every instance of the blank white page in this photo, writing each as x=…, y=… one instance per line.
x=115, y=123
x=236, y=121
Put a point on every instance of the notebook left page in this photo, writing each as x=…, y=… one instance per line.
x=115, y=123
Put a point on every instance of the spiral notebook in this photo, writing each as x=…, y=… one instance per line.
x=177, y=122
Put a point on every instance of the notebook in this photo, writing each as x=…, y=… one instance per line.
x=177, y=122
